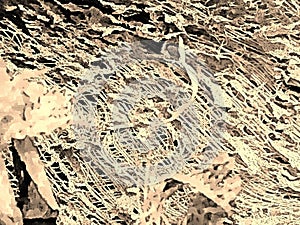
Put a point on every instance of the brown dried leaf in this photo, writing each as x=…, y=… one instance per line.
x=10, y=214
x=29, y=155
x=36, y=206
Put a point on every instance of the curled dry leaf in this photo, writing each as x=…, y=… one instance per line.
x=28, y=108
x=29, y=155
x=10, y=214
x=37, y=207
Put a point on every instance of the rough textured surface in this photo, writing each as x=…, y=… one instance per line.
x=252, y=47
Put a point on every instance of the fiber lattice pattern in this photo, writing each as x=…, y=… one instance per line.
x=251, y=46
x=140, y=118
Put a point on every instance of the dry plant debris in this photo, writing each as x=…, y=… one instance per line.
x=9, y=212
x=251, y=46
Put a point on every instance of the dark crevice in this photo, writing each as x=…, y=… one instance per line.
x=40, y=221
x=142, y=17
x=171, y=183
x=23, y=177
x=97, y=4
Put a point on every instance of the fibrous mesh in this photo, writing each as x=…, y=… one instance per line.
x=138, y=119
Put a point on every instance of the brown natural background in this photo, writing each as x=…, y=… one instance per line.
x=253, y=49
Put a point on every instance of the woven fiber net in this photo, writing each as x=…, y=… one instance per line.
x=247, y=48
